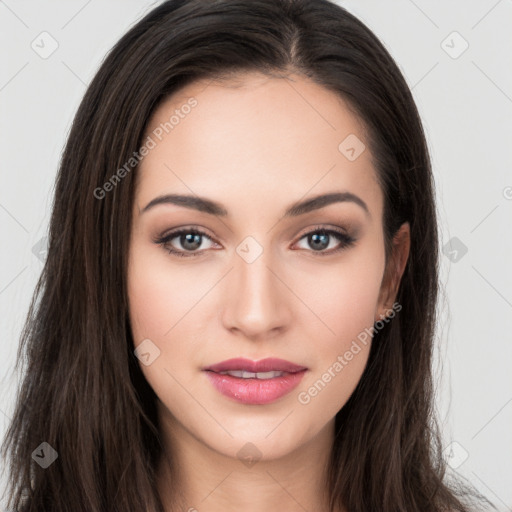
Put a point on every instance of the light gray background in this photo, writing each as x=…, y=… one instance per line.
x=465, y=99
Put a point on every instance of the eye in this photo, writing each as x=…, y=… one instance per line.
x=320, y=238
x=189, y=238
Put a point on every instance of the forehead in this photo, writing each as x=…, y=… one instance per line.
x=270, y=140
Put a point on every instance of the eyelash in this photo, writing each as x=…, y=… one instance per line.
x=347, y=240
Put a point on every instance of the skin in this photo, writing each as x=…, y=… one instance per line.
x=256, y=145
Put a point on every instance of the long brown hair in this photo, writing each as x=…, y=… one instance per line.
x=83, y=392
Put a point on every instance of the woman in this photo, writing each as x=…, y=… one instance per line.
x=238, y=305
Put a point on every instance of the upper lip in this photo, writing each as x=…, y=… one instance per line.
x=263, y=365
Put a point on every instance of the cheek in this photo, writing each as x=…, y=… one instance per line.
x=344, y=298
x=345, y=302
x=168, y=304
x=162, y=298
x=161, y=306
x=157, y=302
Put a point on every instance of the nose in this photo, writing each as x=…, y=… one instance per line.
x=257, y=299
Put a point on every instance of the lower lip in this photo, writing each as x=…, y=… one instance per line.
x=255, y=391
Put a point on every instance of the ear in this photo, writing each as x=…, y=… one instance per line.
x=394, y=270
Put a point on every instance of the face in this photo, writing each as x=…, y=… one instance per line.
x=255, y=278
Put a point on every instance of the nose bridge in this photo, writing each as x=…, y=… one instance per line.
x=256, y=303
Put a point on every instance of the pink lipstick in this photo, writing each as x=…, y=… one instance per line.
x=255, y=382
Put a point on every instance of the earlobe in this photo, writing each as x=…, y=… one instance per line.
x=394, y=271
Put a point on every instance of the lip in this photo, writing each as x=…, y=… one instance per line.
x=254, y=391
x=270, y=364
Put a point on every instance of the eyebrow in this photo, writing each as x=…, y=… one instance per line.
x=208, y=206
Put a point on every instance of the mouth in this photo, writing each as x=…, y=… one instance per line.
x=255, y=382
